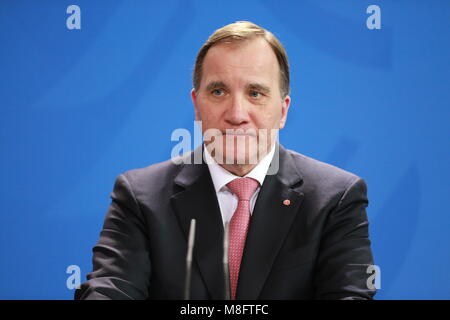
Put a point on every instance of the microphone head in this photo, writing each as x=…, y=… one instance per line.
x=191, y=240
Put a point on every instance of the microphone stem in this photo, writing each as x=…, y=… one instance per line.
x=226, y=271
x=190, y=249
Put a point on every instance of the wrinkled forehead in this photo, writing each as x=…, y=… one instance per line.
x=245, y=60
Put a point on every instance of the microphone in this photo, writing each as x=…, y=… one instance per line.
x=190, y=249
x=226, y=271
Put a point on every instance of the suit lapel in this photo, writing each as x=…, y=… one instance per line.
x=198, y=200
x=271, y=221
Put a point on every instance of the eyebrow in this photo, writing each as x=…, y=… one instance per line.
x=258, y=87
x=214, y=85
x=251, y=86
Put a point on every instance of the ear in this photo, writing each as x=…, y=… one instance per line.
x=284, y=110
x=194, y=102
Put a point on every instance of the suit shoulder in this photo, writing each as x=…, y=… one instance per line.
x=320, y=173
x=158, y=174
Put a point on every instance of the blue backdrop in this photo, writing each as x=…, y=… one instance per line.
x=78, y=107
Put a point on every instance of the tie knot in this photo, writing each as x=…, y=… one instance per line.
x=244, y=188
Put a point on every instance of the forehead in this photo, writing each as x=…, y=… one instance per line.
x=247, y=60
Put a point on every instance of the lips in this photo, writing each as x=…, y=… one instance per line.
x=239, y=135
x=239, y=132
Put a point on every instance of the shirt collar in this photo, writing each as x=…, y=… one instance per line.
x=222, y=177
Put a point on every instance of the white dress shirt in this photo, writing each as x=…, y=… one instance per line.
x=227, y=200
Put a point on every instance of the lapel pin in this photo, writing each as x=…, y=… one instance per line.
x=286, y=202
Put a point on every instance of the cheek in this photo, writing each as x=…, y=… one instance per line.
x=270, y=118
x=209, y=117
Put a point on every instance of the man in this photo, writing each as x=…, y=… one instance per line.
x=297, y=227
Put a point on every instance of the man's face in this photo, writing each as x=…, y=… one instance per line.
x=240, y=89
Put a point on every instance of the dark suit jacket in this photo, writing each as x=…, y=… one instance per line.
x=315, y=248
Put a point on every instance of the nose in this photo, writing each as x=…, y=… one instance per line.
x=236, y=113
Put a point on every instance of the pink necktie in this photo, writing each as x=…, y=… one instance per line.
x=243, y=188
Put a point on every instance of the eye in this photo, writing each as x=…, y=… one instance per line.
x=217, y=92
x=255, y=94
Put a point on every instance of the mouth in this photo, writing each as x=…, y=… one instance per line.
x=238, y=133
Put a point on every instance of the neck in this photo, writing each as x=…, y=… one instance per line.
x=238, y=169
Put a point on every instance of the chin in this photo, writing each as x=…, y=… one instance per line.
x=240, y=157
